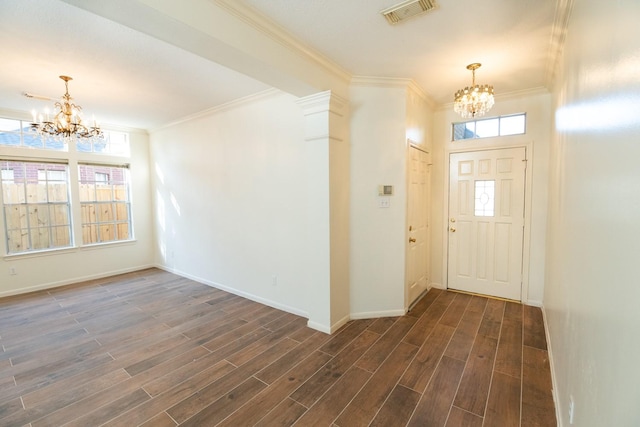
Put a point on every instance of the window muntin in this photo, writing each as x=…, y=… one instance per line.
x=18, y=133
x=105, y=205
x=496, y=126
x=37, y=209
x=114, y=143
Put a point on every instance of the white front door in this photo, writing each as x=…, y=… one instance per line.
x=486, y=221
x=418, y=213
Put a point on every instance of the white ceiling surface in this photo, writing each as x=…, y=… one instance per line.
x=511, y=38
x=122, y=76
x=132, y=79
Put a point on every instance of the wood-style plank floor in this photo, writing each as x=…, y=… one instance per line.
x=154, y=349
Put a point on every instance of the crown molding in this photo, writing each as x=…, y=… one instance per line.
x=394, y=82
x=558, y=37
x=390, y=82
x=278, y=34
x=222, y=107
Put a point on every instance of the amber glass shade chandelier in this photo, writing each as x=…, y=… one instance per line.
x=475, y=100
x=66, y=122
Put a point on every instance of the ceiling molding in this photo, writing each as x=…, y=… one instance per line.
x=222, y=107
x=278, y=34
x=390, y=82
x=558, y=36
x=394, y=82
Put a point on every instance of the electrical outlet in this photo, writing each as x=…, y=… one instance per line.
x=274, y=280
x=384, y=202
x=12, y=271
x=571, y=408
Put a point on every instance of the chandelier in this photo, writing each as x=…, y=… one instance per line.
x=66, y=121
x=474, y=100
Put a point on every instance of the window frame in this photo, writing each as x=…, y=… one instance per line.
x=114, y=204
x=11, y=150
x=487, y=119
x=34, y=208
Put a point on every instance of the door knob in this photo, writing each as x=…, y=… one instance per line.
x=453, y=230
x=412, y=240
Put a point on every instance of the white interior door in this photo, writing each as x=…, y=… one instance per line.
x=486, y=221
x=418, y=223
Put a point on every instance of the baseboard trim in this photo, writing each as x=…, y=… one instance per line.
x=377, y=314
x=234, y=291
x=534, y=303
x=72, y=281
x=329, y=329
x=437, y=285
x=554, y=381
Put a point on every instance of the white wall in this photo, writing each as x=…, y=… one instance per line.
x=60, y=267
x=593, y=290
x=231, y=191
x=383, y=115
x=536, y=105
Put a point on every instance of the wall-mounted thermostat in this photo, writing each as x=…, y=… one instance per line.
x=385, y=190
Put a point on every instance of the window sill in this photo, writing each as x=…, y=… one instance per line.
x=68, y=250
x=95, y=246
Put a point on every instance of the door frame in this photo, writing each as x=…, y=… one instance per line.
x=473, y=145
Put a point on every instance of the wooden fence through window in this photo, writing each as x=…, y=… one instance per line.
x=44, y=211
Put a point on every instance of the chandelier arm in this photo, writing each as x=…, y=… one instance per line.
x=67, y=121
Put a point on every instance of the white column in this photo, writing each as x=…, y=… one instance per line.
x=326, y=136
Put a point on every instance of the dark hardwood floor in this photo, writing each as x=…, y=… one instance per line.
x=154, y=349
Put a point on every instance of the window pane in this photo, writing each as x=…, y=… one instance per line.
x=59, y=214
x=497, y=126
x=512, y=125
x=107, y=232
x=58, y=192
x=487, y=128
x=10, y=125
x=105, y=213
x=87, y=192
x=18, y=133
x=485, y=198
x=123, y=231
x=112, y=142
x=40, y=238
x=83, y=146
x=62, y=235
x=36, y=206
x=31, y=140
x=120, y=192
x=119, y=143
x=103, y=193
x=122, y=211
x=109, y=210
x=90, y=234
x=16, y=217
x=55, y=144
x=17, y=240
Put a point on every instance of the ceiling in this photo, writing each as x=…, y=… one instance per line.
x=129, y=78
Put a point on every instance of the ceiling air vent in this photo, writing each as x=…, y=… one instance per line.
x=407, y=9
